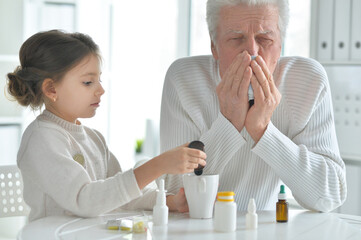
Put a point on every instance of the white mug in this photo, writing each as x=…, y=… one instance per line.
x=201, y=193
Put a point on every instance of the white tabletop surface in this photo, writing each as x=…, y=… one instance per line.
x=301, y=225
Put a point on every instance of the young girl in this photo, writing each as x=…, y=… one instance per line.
x=66, y=166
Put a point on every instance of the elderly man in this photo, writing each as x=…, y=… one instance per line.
x=287, y=135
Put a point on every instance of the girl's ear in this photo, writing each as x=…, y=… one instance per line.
x=48, y=88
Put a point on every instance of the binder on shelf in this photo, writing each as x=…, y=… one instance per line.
x=356, y=30
x=325, y=30
x=341, y=44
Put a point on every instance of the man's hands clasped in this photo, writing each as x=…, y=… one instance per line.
x=232, y=93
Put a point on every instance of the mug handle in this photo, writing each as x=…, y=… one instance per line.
x=201, y=185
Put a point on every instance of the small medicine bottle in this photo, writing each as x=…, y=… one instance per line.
x=225, y=212
x=282, y=206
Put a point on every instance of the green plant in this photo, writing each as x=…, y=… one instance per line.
x=138, y=145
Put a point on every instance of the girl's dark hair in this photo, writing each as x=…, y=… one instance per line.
x=49, y=54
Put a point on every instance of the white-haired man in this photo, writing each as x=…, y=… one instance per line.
x=287, y=135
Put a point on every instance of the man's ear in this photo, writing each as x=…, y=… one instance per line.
x=214, y=51
x=48, y=88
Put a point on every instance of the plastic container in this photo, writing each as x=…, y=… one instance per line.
x=140, y=224
x=251, y=216
x=160, y=210
x=225, y=212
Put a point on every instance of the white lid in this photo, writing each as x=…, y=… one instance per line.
x=282, y=196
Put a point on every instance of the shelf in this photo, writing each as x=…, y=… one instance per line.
x=343, y=63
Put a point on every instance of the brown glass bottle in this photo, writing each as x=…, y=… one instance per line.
x=282, y=206
x=282, y=211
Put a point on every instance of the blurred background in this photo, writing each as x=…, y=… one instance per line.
x=140, y=39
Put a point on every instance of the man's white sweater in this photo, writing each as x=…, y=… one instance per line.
x=298, y=148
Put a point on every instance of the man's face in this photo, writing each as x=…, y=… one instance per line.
x=251, y=28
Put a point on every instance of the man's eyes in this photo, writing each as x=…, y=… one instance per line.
x=237, y=38
x=261, y=39
x=264, y=40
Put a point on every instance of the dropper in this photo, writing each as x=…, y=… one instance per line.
x=200, y=146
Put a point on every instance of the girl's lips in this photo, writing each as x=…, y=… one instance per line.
x=95, y=105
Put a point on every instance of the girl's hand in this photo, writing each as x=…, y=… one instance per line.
x=181, y=160
x=178, y=202
x=176, y=161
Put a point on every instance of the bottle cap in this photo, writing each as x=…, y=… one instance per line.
x=161, y=198
x=225, y=196
x=282, y=195
x=200, y=146
x=251, y=206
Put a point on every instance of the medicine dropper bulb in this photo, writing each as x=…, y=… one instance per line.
x=200, y=146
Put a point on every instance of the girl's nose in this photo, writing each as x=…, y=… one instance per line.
x=100, y=90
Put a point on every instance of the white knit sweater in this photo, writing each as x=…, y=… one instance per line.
x=58, y=181
x=298, y=148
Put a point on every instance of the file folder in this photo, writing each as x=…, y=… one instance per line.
x=325, y=30
x=341, y=44
x=356, y=30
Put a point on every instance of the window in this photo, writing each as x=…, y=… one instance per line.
x=144, y=39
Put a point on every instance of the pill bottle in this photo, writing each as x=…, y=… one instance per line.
x=225, y=212
x=282, y=206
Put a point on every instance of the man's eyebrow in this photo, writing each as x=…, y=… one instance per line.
x=265, y=32
x=234, y=31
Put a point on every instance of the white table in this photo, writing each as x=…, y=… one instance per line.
x=301, y=225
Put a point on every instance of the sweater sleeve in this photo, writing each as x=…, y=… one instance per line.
x=113, y=166
x=182, y=122
x=309, y=162
x=52, y=168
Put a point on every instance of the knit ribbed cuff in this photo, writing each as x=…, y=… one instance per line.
x=276, y=149
x=222, y=141
x=226, y=135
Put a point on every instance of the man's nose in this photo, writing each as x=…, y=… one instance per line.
x=252, y=47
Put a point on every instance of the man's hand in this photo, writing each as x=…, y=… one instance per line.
x=178, y=202
x=266, y=99
x=232, y=91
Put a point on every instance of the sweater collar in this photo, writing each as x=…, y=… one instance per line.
x=69, y=126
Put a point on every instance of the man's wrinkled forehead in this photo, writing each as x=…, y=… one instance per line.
x=240, y=32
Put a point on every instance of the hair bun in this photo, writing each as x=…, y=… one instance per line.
x=20, y=87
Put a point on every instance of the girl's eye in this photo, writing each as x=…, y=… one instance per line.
x=87, y=83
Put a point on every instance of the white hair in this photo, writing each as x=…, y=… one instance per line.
x=214, y=7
